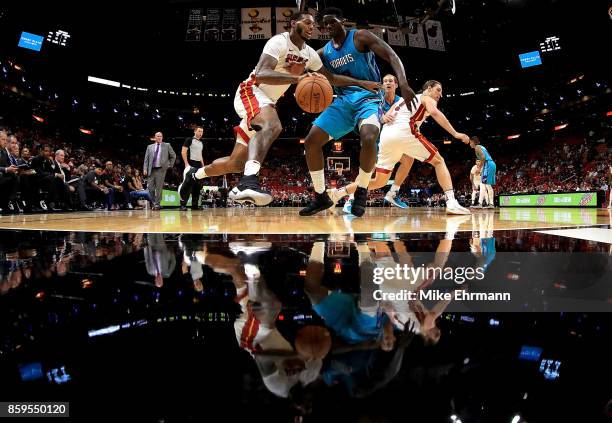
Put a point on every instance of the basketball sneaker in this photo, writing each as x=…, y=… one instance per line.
x=453, y=207
x=320, y=203
x=392, y=199
x=248, y=190
x=359, y=203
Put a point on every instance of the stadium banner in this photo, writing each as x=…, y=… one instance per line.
x=229, y=25
x=194, y=25
x=283, y=24
x=571, y=199
x=396, y=37
x=212, y=29
x=256, y=23
x=378, y=31
x=435, y=37
x=416, y=35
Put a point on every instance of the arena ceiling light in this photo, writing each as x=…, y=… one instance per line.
x=493, y=89
x=513, y=137
x=86, y=131
x=103, y=81
x=38, y=119
x=562, y=126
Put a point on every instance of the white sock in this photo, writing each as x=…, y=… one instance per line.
x=352, y=197
x=491, y=195
x=481, y=194
x=394, y=189
x=450, y=195
x=318, y=180
x=201, y=173
x=363, y=179
x=251, y=167
x=473, y=197
x=318, y=252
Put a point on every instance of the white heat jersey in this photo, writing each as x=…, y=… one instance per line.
x=407, y=118
x=475, y=175
x=282, y=49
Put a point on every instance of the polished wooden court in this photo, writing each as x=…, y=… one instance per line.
x=287, y=221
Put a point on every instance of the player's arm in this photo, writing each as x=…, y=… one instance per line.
x=368, y=41
x=432, y=108
x=265, y=73
x=479, y=155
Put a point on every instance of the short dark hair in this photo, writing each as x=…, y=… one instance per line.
x=198, y=127
x=475, y=139
x=394, y=77
x=330, y=11
x=299, y=15
x=429, y=84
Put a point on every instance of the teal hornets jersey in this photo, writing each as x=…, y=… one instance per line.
x=348, y=61
x=386, y=106
x=486, y=154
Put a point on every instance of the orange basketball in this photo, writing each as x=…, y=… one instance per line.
x=314, y=93
x=313, y=342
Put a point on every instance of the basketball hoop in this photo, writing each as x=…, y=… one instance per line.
x=339, y=167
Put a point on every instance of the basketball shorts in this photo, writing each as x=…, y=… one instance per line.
x=347, y=111
x=249, y=100
x=395, y=141
x=488, y=172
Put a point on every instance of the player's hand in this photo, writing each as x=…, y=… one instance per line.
x=302, y=76
x=464, y=138
x=371, y=86
x=145, y=173
x=409, y=98
x=295, y=68
x=11, y=169
x=388, y=117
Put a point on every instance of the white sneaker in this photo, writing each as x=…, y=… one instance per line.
x=453, y=207
x=392, y=199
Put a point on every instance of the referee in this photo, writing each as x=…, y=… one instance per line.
x=192, y=158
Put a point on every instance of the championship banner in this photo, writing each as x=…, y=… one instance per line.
x=256, y=23
x=283, y=24
x=212, y=29
x=572, y=199
x=318, y=32
x=435, y=37
x=229, y=25
x=378, y=31
x=396, y=37
x=416, y=35
x=194, y=25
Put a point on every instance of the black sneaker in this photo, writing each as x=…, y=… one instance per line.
x=183, y=208
x=320, y=203
x=248, y=190
x=359, y=203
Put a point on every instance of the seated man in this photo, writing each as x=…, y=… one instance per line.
x=46, y=175
x=90, y=188
x=8, y=176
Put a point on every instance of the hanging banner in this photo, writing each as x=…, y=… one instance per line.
x=194, y=25
x=435, y=37
x=256, y=23
x=378, y=31
x=229, y=25
x=396, y=37
x=318, y=32
x=212, y=29
x=283, y=24
x=416, y=35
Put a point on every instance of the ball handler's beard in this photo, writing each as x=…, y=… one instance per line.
x=300, y=32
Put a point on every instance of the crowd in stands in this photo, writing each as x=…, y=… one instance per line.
x=47, y=174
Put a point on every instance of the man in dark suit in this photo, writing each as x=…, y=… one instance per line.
x=159, y=157
x=47, y=175
x=26, y=179
x=8, y=177
x=62, y=171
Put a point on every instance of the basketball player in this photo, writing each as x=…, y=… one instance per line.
x=488, y=171
x=351, y=53
x=191, y=152
x=475, y=180
x=390, y=85
x=401, y=137
x=284, y=59
x=610, y=188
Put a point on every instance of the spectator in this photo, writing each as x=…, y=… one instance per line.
x=134, y=185
x=8, y=177
x=91, y=188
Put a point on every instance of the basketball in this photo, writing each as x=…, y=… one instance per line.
x=314, y=93
x=313, y=342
